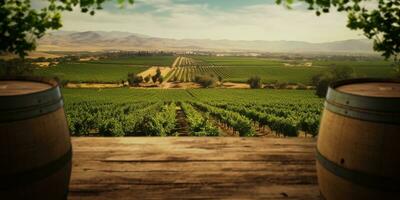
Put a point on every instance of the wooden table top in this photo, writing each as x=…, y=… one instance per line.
x=193, y=168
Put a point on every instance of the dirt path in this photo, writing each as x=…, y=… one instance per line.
x=182, y=126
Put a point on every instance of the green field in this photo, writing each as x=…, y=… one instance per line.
x=270, y=74
x=90, y=72
x=147, y=61
x=234, y=69
x=239, y=69
x=209, y=112
x=239, y=61
x=123, y=95
x=377, y=68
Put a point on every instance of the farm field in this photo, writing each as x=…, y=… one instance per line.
x=239, y=69
x=271, y=74
x=139, y=60
x=185, y=69
x=90, y=72
x=230, y=69
x=239, y=61
x=194, y=112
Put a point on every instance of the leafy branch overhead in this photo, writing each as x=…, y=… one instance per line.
x=21, y=24
x=378, y=19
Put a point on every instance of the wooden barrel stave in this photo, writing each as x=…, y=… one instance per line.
x=35, y=147
x=360, y=154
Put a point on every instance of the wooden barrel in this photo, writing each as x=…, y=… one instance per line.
x=35, y=146
x=358, y=148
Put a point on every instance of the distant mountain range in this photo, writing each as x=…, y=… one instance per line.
x=113, y=40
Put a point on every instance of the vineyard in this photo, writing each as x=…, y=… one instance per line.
x=90, y=72
x=185, y=69
x=208, y=112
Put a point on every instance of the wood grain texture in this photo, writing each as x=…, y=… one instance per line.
x=11, y=88
x=27, y=147
x=373, y=89
x=368, y=147
x=193, y=168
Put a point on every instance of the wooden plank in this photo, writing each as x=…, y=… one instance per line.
x=193, y=168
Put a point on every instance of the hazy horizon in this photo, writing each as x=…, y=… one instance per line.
x=152, y=36
x=214, y=19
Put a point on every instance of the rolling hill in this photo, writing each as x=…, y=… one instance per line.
x=101, y=40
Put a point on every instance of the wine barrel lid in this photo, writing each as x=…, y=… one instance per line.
x=372, y=89
x=11, y=88
x=27, y=97
x=368, y=99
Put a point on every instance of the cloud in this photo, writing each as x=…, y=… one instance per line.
x=169, y=19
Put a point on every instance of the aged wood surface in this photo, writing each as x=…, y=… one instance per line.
x=193, y=168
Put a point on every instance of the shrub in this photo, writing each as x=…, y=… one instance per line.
x=220, y=79
x=154, y=78
x=111, y=127
x=64, y=83
x=158, y=73
x=323, y=80
x=134, y=79
x=147, y=78
x=16, y=67
x=254, y=82
x=206, y=81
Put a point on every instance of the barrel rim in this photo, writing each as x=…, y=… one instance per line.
x=29, y=105
x=53, y=82
x=370, y=108
x=337, y=84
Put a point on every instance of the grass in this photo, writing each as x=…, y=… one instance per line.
x=90, y=72
x=239, y=69
x=140, y=60
x=273, y=73
x=239, y=61
x=374, y=68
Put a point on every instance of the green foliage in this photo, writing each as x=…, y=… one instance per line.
x=380, y=23
x=254, y=82
x=15, y=67
x=134, y=79
x=157, y=77
x=21, y=24
x=236, y=121
x=322, y=81
x=143, y=112
x=161, y=123
x=220, y=79
x=199, y=125
x=207, y=81
x=111, y=127
x=161, y=79
x=158, y=73
x=147, y=78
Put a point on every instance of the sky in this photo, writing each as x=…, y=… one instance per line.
x=215, y=19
